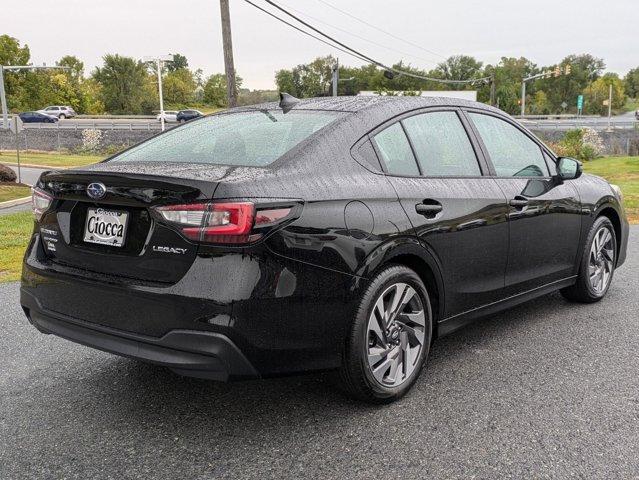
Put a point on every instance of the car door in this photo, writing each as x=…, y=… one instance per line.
x=544, y=213
x=458, y=213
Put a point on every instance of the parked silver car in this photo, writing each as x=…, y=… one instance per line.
x=60, y=112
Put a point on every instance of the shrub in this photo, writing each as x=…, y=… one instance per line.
x=6, y=174
x=584, y=144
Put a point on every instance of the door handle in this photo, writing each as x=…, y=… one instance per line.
x=518, y=202
x=428, y=210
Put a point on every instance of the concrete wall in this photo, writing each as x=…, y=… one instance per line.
x=69, y=139
x=618, y=142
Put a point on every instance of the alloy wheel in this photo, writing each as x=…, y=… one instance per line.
x=395, y=335
x=601, y=260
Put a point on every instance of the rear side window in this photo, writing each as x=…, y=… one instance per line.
x=442, y=145
x=512, y=153
x=253, y=138
x=395, y=151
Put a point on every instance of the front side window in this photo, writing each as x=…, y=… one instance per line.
x=441, y=145
x=249, y=138
x=395, y=151
x=512, y=153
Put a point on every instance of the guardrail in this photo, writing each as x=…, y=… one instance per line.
x=599, y=125
x=84, y=124
x=554, y=117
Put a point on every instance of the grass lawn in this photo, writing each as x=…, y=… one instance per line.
x=622, y=171
x=50, y=159
x=11, y=192
x=15, y=231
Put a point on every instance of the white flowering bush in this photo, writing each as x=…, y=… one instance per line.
x=91, y=139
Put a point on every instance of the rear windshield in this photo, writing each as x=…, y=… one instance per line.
x=254, y=138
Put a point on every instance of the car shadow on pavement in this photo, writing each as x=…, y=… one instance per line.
x=122, y=386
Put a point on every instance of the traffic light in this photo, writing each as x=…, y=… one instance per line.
x=557, y=71
x=568, y=69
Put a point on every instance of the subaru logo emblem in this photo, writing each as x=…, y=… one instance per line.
x=96, y=190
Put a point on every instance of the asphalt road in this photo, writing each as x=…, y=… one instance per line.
x=28, y=175
x=546, y=390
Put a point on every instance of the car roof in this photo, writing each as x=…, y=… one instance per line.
x=372, y=103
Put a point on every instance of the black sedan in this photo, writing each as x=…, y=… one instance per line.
x=319, y=234
x=37, y=117
x=187, y=115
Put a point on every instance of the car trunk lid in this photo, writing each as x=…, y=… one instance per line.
x=73, y=229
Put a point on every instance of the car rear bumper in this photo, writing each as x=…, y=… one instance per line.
x=284, y=316
x=187, y=352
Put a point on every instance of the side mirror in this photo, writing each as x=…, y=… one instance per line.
x=569, y=168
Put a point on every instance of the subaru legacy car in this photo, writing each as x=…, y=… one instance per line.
x=336, y=234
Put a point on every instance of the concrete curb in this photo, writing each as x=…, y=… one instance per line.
x=13, y=203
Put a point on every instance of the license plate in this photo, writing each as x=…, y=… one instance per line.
x=105, y=226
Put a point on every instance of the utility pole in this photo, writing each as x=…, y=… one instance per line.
x=335, y=77
x=492, y=89
x=227, y=45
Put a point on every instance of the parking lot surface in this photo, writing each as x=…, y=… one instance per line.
x=546, y=390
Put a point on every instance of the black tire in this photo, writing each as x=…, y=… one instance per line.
x=583, y=291
x=356, y=376
x=62, y=116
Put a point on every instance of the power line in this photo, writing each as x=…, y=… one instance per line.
x=380, y=29
x=348, y=32
x=369, y=59
x=304, y=31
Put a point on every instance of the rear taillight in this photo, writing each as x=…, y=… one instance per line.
x=228, y=222
x=40, y=202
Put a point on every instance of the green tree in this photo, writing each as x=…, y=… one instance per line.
x=585, y=69
x=12, y=53
x=307, y=80
x=508, y=74
x=631, y=81
x=599, y=91
x=179, y=87
x=124, y=85
x=75, y=65
x=215, y=89
x=459, y=67
x=540, y=104
x=179, y=63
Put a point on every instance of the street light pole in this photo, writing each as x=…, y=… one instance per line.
x=3, y=96
x=523, y=89
x=158, y=63
x=3, y=100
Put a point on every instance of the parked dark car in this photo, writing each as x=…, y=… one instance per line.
x=186, y=115
x=37, y=117
x=334, y=233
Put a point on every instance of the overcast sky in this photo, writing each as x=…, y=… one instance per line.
x=544, y=31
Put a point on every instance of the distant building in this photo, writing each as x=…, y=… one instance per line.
x=463, y=94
